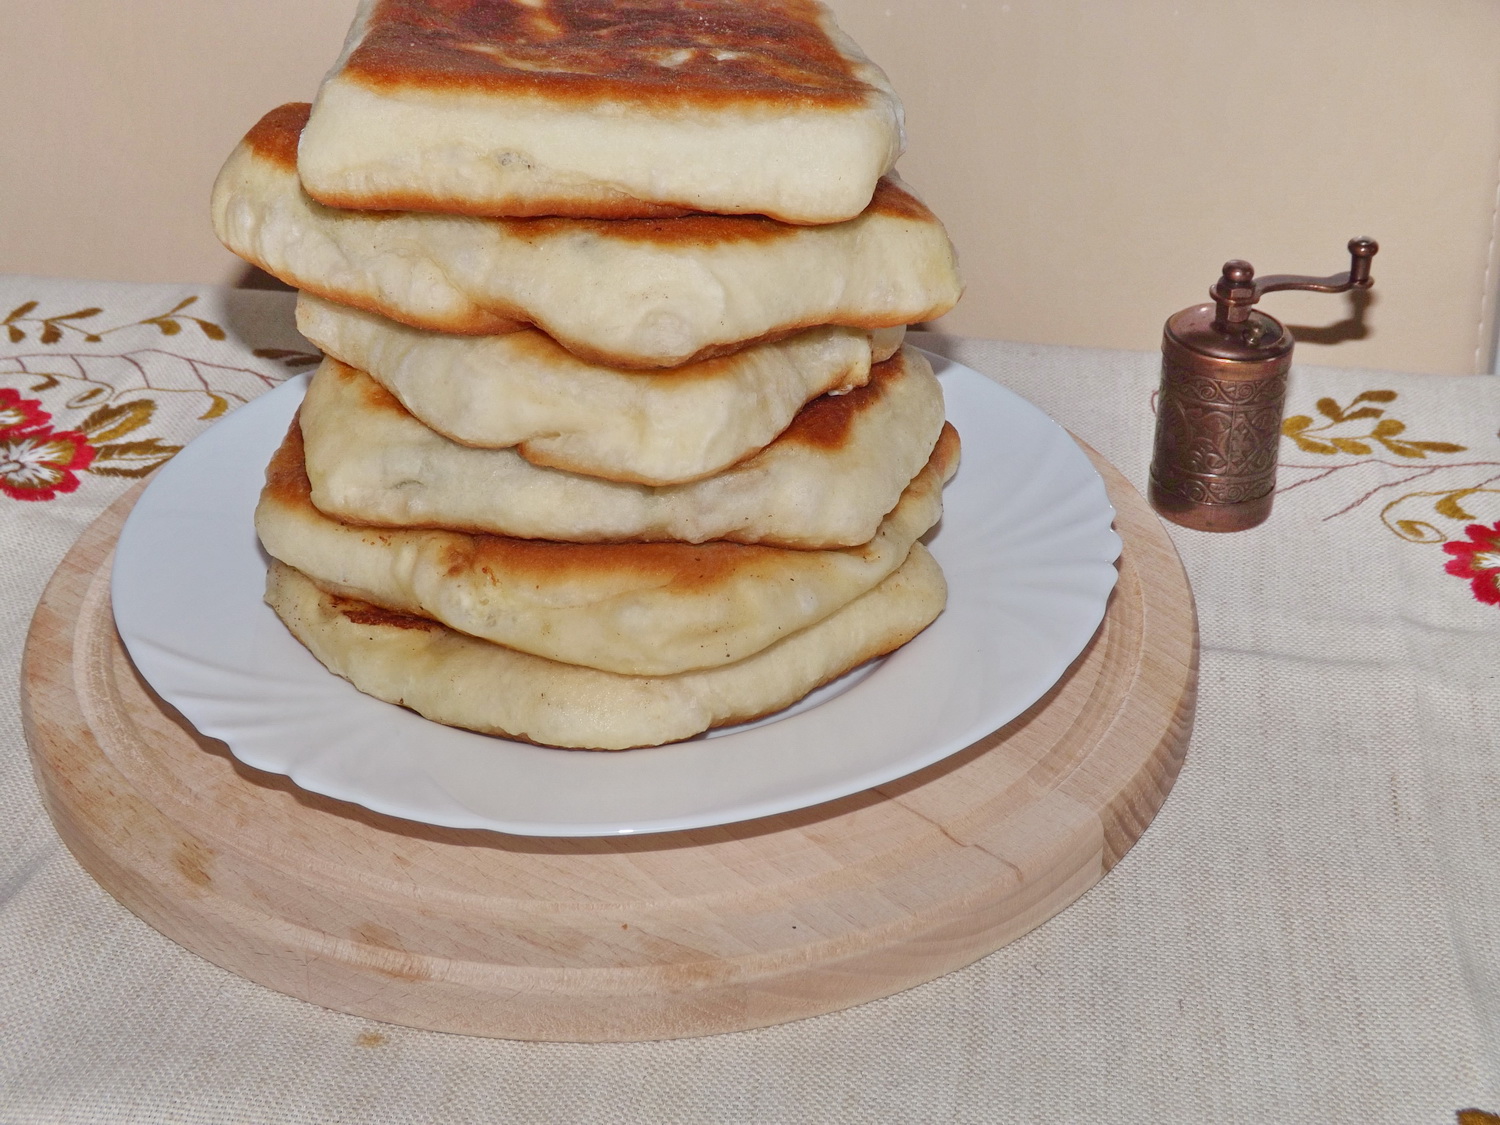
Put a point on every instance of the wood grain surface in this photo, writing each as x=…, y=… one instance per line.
x=619, y=938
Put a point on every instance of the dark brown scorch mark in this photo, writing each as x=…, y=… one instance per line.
x=826, y=422
x=657, y=52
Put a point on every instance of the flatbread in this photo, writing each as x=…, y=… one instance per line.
x=521, y=389
x=636, y=293
x=827, y=481
x=643, y=609
x=601, y=108
x=464, y=682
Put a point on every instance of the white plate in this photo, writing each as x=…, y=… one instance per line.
x=1026, y=543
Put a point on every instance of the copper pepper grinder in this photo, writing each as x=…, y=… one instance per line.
x=1223, y=387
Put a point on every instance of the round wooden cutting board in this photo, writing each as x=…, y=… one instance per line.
x=617, y=938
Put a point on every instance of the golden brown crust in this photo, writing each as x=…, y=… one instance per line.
x=474, y=321
x=623, y=207
x=687, y=230
x=286, y=475
x=827, y=421
x=892, y=198
x=274, y=137
x=946, y=453
x=662, y=53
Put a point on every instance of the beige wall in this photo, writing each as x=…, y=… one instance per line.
x=118, y=114
x=1096, y=162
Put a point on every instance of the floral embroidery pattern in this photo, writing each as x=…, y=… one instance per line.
x=119, y=394
x=1373, y=448
x=1300, y=429
x=37, y=462
x=168, y=323
x=1408, y=517
x=17, y=413
x=1477, y=559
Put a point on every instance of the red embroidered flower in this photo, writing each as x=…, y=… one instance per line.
x=1478, y=559
x=17, y=413
x=38, y=464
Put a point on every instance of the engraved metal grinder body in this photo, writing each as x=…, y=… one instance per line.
x=1223, y=388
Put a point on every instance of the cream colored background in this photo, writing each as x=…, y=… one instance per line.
x=1095, y=162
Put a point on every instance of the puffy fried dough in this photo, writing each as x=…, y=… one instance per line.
x=459, y=680
x=827, y=481
x=631, y=293
x=636, y=608
x=601, y=108
x=522, y=389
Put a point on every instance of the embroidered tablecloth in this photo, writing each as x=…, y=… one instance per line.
x=1309, y=932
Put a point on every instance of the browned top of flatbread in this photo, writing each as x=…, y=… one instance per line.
x=827, y=421
x=674, y=52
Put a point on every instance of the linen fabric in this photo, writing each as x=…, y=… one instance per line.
x=1309, y=933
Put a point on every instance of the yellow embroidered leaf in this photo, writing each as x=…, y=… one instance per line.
x=1376, y=396
x=211, y=330
x=148, y=447
x=20, y=310
x=1364, y=412
x=1449, y=506
x=111, y=470
x=100, y=470
x=1349, y=445
x=80, y=314
x=1402, y=448
x=217, y=407
x=1439, y=446
x=1311, y=445
x=51, y=333
x=1418, y=531
x=131, y=458
x=1329, y=409
x=16, y=335
x=1295, y=424
x=110, y=422
x=168, y=326
x=1387, y=426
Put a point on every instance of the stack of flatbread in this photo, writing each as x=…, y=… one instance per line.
x=615, y=440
